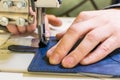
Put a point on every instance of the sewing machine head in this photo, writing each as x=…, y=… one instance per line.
x=17, y=12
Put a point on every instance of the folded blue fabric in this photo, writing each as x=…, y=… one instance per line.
x=108, y=66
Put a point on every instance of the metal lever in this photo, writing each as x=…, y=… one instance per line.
x=22, y=48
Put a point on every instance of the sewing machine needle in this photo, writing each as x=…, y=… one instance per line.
x=41, y=27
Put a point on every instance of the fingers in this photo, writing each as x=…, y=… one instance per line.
x=53, y=20
x=69, y=39
x=99, y=34
x=91, y=40
x=20, y=29
x=13, y=29
x=101, y=52
x=50, y=51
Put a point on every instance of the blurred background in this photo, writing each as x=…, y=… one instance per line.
x=71, y=8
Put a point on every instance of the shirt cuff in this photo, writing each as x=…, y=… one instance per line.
x=113, y=6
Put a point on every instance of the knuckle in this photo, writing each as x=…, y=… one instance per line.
x=105, y=48
x=103, y=20
x=83, y=13
x=61, y=52
x=92, y=36
x=74, y=29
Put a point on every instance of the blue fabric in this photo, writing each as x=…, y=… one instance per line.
x=108, y=66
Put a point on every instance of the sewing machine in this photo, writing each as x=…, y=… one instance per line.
x=17, y=12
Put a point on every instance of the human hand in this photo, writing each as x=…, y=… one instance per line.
x=100, y=31
x=49, y=19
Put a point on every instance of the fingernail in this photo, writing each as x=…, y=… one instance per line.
x=68, y=62
x=55, y=59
